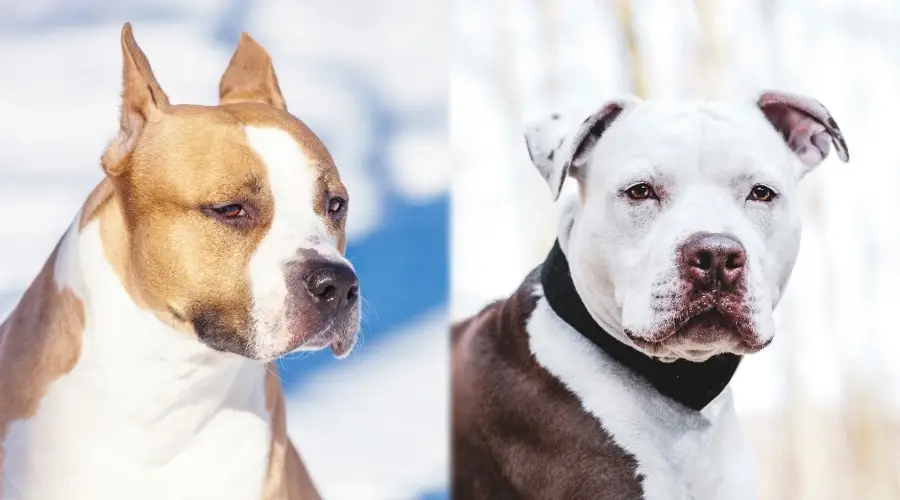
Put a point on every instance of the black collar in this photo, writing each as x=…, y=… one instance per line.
x=694, y=385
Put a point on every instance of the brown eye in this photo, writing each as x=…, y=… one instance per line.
x=761, y=193
x=232, y=211
x=640, y=191
x=336, y=205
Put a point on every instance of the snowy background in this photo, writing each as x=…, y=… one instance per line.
x=370, y=77
x=822, y=404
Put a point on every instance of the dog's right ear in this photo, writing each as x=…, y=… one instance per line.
x=250, y=76
x=143, y=100
x=556, y=151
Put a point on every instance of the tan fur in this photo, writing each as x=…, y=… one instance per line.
x=142, y=101
x=287, y=477
x=165, y=166
x=39, y=343
x=171, y=161
x=250, y=77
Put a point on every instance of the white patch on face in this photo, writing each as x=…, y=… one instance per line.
x=702, y=160
x=295, y=226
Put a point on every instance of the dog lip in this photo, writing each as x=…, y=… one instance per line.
x=710, y=303
x=319, y=339
x=341, y=347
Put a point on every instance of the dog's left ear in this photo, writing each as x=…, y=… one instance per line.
x=250, y=76
x=806, y=126
x=557, y=151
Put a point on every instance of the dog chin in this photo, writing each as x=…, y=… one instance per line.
x=699, y=338
x=340, y=334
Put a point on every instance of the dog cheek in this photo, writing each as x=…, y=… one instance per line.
x=638, y=317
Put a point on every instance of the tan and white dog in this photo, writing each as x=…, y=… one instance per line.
x=138, y=363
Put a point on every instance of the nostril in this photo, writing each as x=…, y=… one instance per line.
x=321, y=284
x=327, y=293
x=703, y=260
x=331, y=285
x=735, y=261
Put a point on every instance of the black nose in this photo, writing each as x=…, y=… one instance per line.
x=713, y=261
x=333, y=285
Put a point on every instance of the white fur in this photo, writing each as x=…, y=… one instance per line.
x=682, y=455
x=147, y=412
x=295, y=226
x=703, y=159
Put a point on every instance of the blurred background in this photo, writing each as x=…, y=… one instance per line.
x=370, y=78
x=822, y=403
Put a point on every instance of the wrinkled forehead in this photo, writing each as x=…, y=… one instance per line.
x=715, y=140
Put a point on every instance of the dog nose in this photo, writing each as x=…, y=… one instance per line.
x=714, y=260
x=333, y=286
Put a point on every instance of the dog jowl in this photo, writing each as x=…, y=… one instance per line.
x=687, y=226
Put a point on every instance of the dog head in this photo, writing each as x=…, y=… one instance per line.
x=687, y=226
x=235, y=214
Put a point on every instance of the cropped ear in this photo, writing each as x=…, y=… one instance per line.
x=250, y=76
x=556, y=150
x=143, y=101
x=806, y=126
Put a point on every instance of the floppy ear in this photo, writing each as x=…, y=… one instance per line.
x=556, y=150
x=250, y=76
x=806, y=126
x=143, y=100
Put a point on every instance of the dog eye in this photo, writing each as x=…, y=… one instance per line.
x=232, y=211
x=336, y=205
x=761, y=193
x=640, y=191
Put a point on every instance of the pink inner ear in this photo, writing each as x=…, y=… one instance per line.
x=805, y=125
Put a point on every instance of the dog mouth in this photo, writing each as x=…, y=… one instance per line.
x=339, y=332
x=703, y=328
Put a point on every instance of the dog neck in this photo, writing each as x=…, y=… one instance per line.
x=692, y=384
x=148, y=343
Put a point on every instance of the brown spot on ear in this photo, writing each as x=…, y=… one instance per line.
x=142, y=101
x=250, y=76
x=39, y=343
x=287, y=477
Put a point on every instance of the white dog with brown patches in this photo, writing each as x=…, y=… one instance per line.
x=138, y=363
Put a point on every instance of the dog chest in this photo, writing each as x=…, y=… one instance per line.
x=146, y=412
x=680, y=454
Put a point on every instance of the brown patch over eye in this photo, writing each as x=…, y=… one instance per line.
x=641, y=191
x=336, y=206
x=761, y=193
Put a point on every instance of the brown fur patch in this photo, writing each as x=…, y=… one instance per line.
x=39, y=343
x=517, y=431
x=287, y=478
